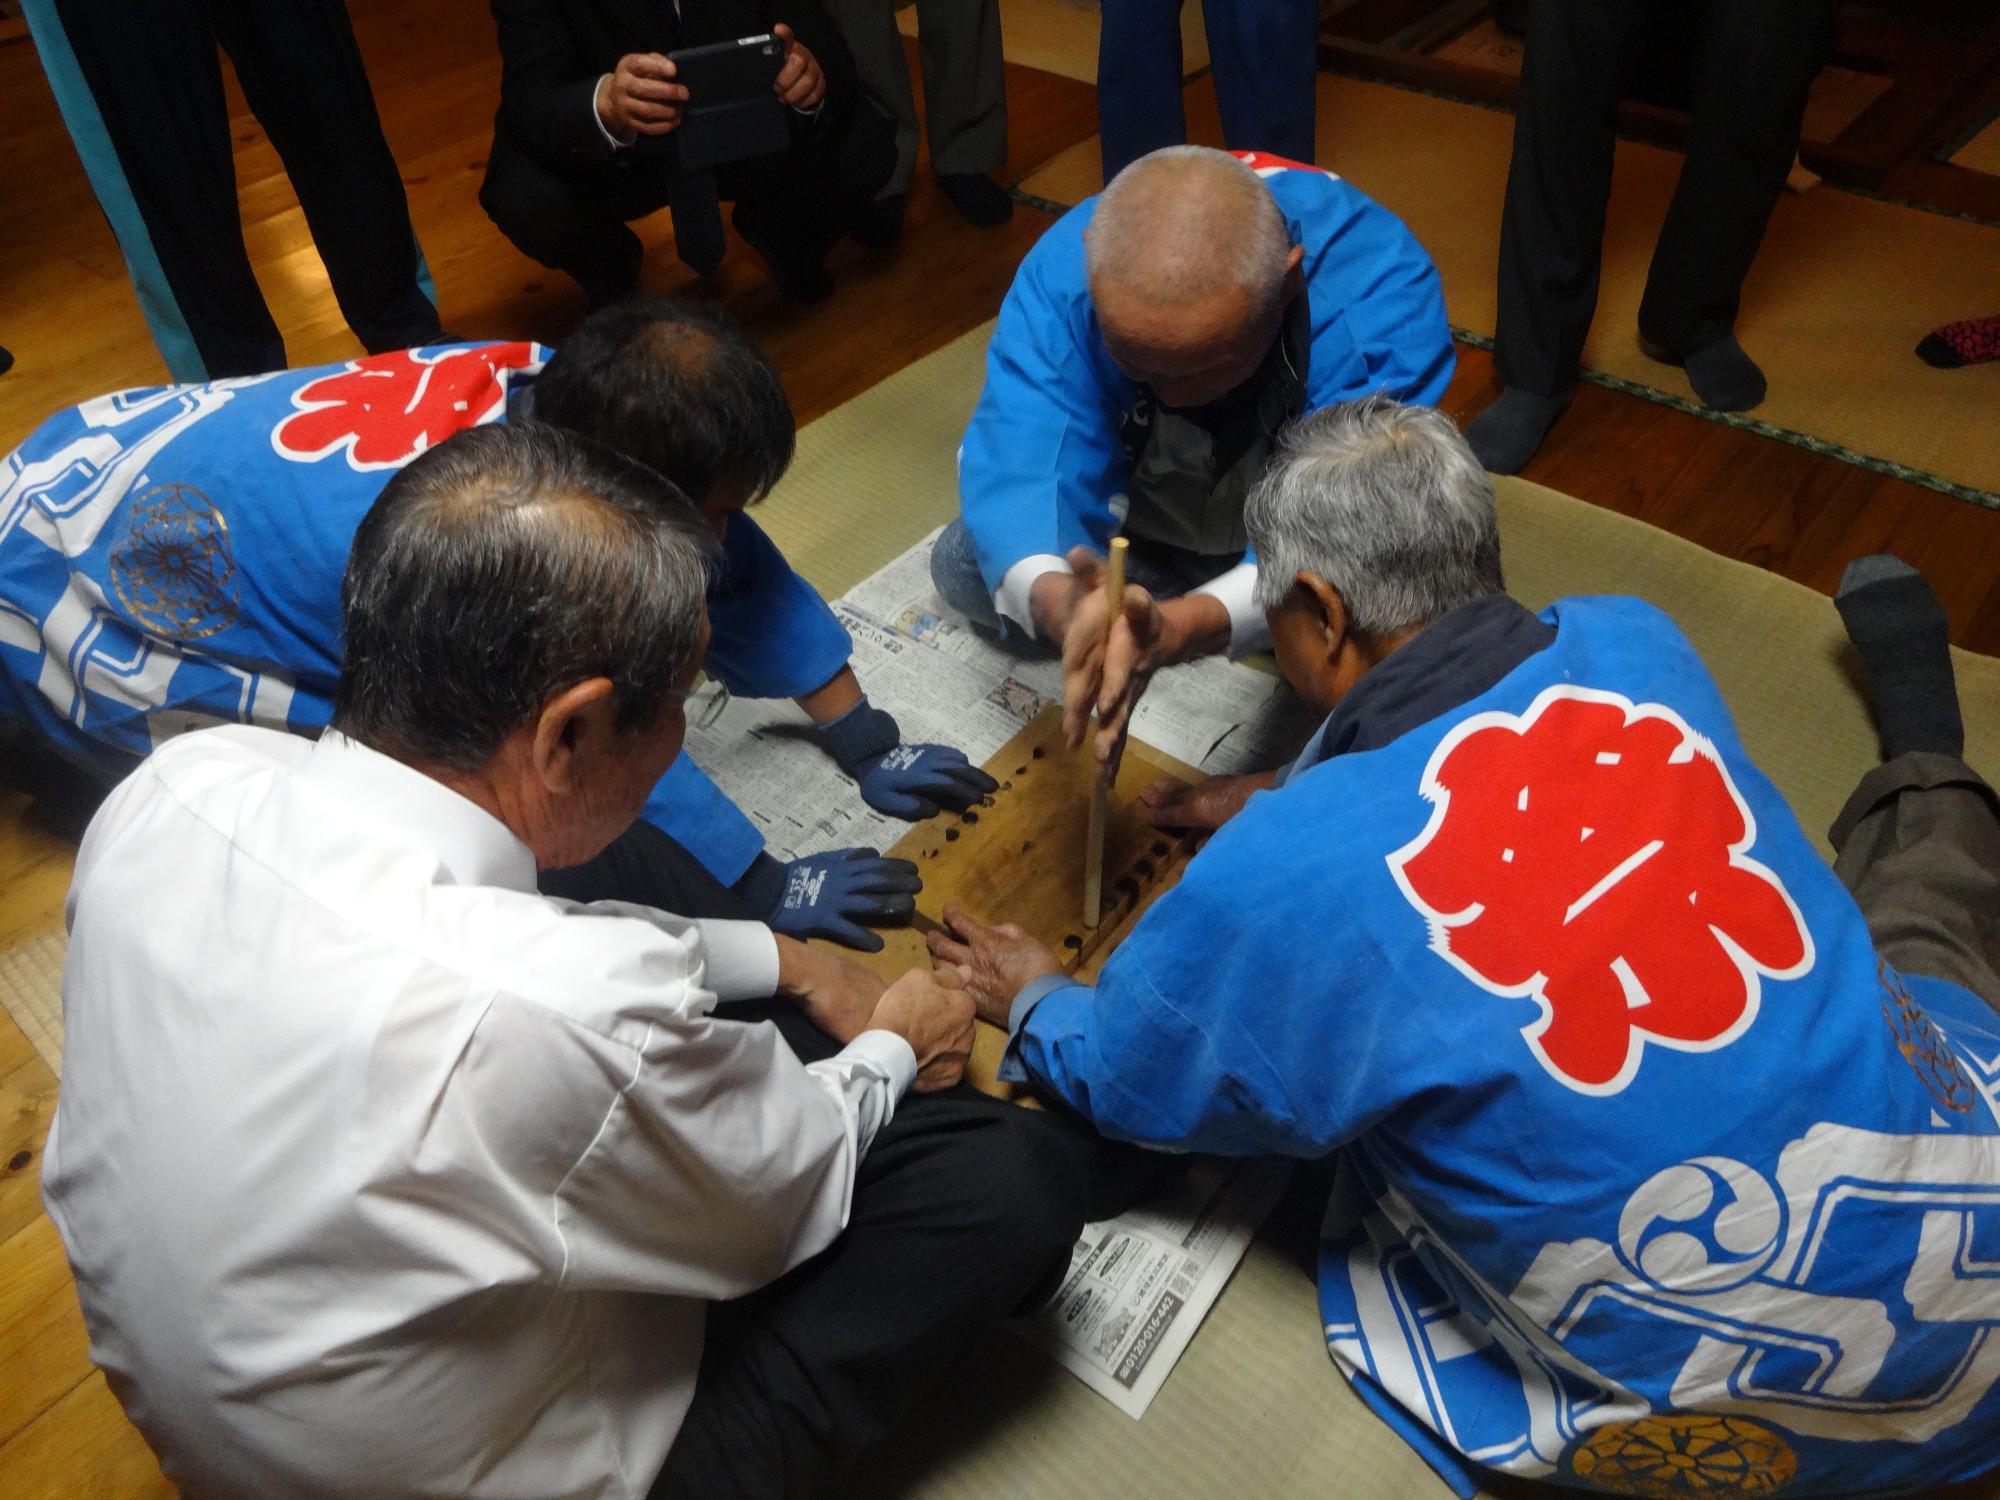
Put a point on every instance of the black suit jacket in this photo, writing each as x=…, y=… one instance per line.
x=552, y=52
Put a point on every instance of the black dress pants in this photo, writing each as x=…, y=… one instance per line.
x=140, y=86
x=1753, y=64
x=572, y=218
x=964, y=1209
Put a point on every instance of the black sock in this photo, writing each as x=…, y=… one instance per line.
x=1724, y=376
x=1505, y=436
x=978, y=198
x=1900, y=630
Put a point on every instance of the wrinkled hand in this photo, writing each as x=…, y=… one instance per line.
x=932, y=1012
x=914, y=781
x=836, y=994
x=997, y=962
x=640, y=97
x=1204, y=806
x=1107, y=669
x=827, y=895
x=801, y=82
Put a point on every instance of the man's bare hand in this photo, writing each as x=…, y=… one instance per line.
x=1204, y=806
x=836, y=994
x=801, y=82
x=932, y=1012
x=640, y=97
x=1107, y=663
x=997, y=962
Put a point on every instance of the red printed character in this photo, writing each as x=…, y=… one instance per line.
x=1592, y=855
x=386, y=409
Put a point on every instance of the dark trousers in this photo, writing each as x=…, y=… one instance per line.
x=573, y=218
x=1265, y=57
x=1918, y=846
x=964, y=1208
x=140, y=87
x=1753, y=64
x=965, y=82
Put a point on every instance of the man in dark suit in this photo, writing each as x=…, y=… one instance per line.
x=586, y=140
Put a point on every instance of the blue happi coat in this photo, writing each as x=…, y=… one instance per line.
x=1042, y=467
x=1654, y=1177
x=171, y=557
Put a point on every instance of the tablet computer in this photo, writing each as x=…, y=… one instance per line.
x=732, y=113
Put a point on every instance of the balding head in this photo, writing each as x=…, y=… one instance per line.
x=1190, y=268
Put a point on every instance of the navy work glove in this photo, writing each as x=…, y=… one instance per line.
x=828, y=895
x=903, y=781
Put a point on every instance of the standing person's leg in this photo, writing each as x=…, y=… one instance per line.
x=140, y=88
x=1266, y=59
x=869, y=27
x=1918, y=843
x=965, y=104
x=302, y=73
x=1552, y=229
x=963, y=1209
x=1139, y=105
x=1754, y=65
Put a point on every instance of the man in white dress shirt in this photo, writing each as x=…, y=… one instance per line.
x=383, y=1175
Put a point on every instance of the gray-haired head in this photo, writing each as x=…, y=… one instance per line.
x=1387, y=504
x=503, y=567
x=1177, y=223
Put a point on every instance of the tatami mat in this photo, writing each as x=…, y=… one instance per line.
x=1842, y=290
x=1982, y=152
x=1060, y=36
x=31, y=992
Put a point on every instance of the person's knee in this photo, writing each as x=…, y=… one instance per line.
x=523, y=198
x=1034, y=1179
x=956, y=576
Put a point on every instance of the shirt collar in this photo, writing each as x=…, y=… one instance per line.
x=1447, y=664
x=476, y=847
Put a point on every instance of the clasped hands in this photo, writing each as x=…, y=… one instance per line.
x=640, y=97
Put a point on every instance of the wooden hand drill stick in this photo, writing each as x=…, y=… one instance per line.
x=1100, y=792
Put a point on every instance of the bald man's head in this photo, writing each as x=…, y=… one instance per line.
x=1190, y=268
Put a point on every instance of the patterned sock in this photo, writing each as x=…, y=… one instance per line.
x=1899, y=628
x=1970, y=343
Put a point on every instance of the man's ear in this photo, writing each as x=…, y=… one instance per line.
x=1294, y=278
x=1329, y=611
x=573, y=726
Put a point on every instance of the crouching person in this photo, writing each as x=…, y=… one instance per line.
x=382, y=1174
x=1669, y=1157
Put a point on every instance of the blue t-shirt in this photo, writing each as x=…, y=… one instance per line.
x=1648, y=1162
x=171, y=557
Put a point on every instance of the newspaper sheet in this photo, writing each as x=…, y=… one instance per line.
x=1140, y=1284
x=945, y=682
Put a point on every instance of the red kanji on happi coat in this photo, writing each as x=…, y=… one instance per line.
x=387, y=408
x=1592, y=854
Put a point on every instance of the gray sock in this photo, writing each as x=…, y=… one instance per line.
x=1724, y=376
x=1505, y=436
x=1898, y=626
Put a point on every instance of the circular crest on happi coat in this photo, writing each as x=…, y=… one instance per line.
x=173, y=567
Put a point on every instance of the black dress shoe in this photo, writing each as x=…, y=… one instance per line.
x=880, y=224
x=800, y=273
x=978, y=198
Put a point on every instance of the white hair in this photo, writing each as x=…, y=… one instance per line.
x=1387, y=504
x=1177, y=223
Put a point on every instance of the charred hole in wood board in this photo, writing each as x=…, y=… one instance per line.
x=1127, y=886
x=951, y=835
x=987, y=800
x=1159, y=848
x=1020, y=770
x=19, y=1160
x=1005, y=786
x=969, y=816
x=1026, y=845
x=1144, y=867
x=1038, y=752
x=1072, y=941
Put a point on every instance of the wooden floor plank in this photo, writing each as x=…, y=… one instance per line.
x=82, y=1448
x=27, y=1104
x=41, y=1328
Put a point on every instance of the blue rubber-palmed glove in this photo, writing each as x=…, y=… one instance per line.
x=830, y=895
x=902, y=781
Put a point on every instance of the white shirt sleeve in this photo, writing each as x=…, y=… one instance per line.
x=598, y=120
x=1012, y=597
x=1237, y=589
